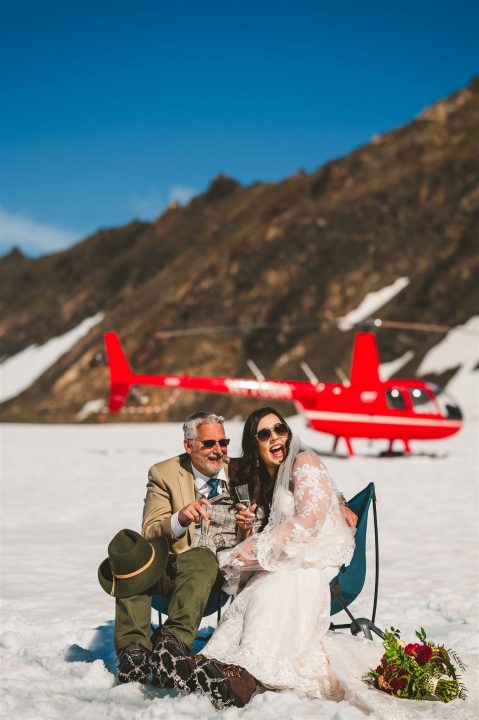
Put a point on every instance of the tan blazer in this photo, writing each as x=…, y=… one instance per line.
x=170, y=487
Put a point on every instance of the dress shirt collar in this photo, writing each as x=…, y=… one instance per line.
x=201, y=481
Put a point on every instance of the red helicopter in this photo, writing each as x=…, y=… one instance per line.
x=362, y=407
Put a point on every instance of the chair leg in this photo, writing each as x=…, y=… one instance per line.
x=354, y=626
x=357, y=625
x=365, y=626
x=335, y=590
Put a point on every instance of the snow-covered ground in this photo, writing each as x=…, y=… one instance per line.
x=66, y=490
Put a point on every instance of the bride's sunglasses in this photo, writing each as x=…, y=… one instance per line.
x=280, y=429
x=224, y=442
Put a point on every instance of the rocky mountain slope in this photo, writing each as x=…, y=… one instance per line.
x=294, y=255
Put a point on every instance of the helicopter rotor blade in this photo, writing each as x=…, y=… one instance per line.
x=369, y=323
x=420, y=327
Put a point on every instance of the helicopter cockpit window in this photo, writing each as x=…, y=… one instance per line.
x=421, y=402
x=448, y=406
x=395, y=399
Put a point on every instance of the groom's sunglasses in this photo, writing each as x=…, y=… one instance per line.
x=280, y=429
x=224, y=442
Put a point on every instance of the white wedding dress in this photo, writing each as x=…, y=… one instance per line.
x=277, y=626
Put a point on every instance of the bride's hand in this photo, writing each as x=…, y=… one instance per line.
x=245, y=518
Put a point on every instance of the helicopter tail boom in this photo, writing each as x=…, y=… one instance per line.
x=122, y=378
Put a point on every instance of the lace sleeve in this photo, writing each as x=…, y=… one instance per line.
x=305, y=528
x=308, y=508
x=312, y=493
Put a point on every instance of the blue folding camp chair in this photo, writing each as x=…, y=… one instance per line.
x=348, y=583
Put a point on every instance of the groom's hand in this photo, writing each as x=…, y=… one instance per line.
x=192, y=512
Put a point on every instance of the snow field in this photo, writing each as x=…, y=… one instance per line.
x=66, y=490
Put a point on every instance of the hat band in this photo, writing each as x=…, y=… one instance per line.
x=132, y=574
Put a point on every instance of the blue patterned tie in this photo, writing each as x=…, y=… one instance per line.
x=213, y=484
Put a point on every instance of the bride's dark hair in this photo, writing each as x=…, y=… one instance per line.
x=251, y=469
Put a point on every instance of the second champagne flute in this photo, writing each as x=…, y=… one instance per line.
x=242, y=492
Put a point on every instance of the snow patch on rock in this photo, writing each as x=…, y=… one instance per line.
x=371, y=303
x=18, y=372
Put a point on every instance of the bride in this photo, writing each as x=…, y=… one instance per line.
x=274, y=633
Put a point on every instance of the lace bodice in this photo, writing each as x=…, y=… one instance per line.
x=306, y=527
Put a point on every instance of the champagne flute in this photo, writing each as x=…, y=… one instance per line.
x=205, y=524
x=242, y=492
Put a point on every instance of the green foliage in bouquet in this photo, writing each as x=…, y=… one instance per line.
x=419, y=671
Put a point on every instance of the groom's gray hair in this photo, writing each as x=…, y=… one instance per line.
x=191, y=424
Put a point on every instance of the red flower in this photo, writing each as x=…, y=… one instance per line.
x=394, y=680
x=398, y=683
x=423, y=654
x=411, y=648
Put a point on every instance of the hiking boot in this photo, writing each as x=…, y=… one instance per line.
x=169, y=661
x=225, y=685
x=133, y=663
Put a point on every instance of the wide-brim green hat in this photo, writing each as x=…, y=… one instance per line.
x=133, y=564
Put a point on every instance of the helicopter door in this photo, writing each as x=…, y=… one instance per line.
x=395, y=399
x=421, y=402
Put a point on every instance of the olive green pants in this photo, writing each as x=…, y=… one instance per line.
x=187, y=582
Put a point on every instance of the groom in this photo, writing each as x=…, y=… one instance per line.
x=179, y=491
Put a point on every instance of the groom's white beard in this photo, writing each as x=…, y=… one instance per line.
x=214, y=463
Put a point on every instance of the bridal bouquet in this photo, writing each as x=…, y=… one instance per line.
x=420, y=671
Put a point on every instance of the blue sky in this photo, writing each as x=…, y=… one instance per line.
x=112, y=108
